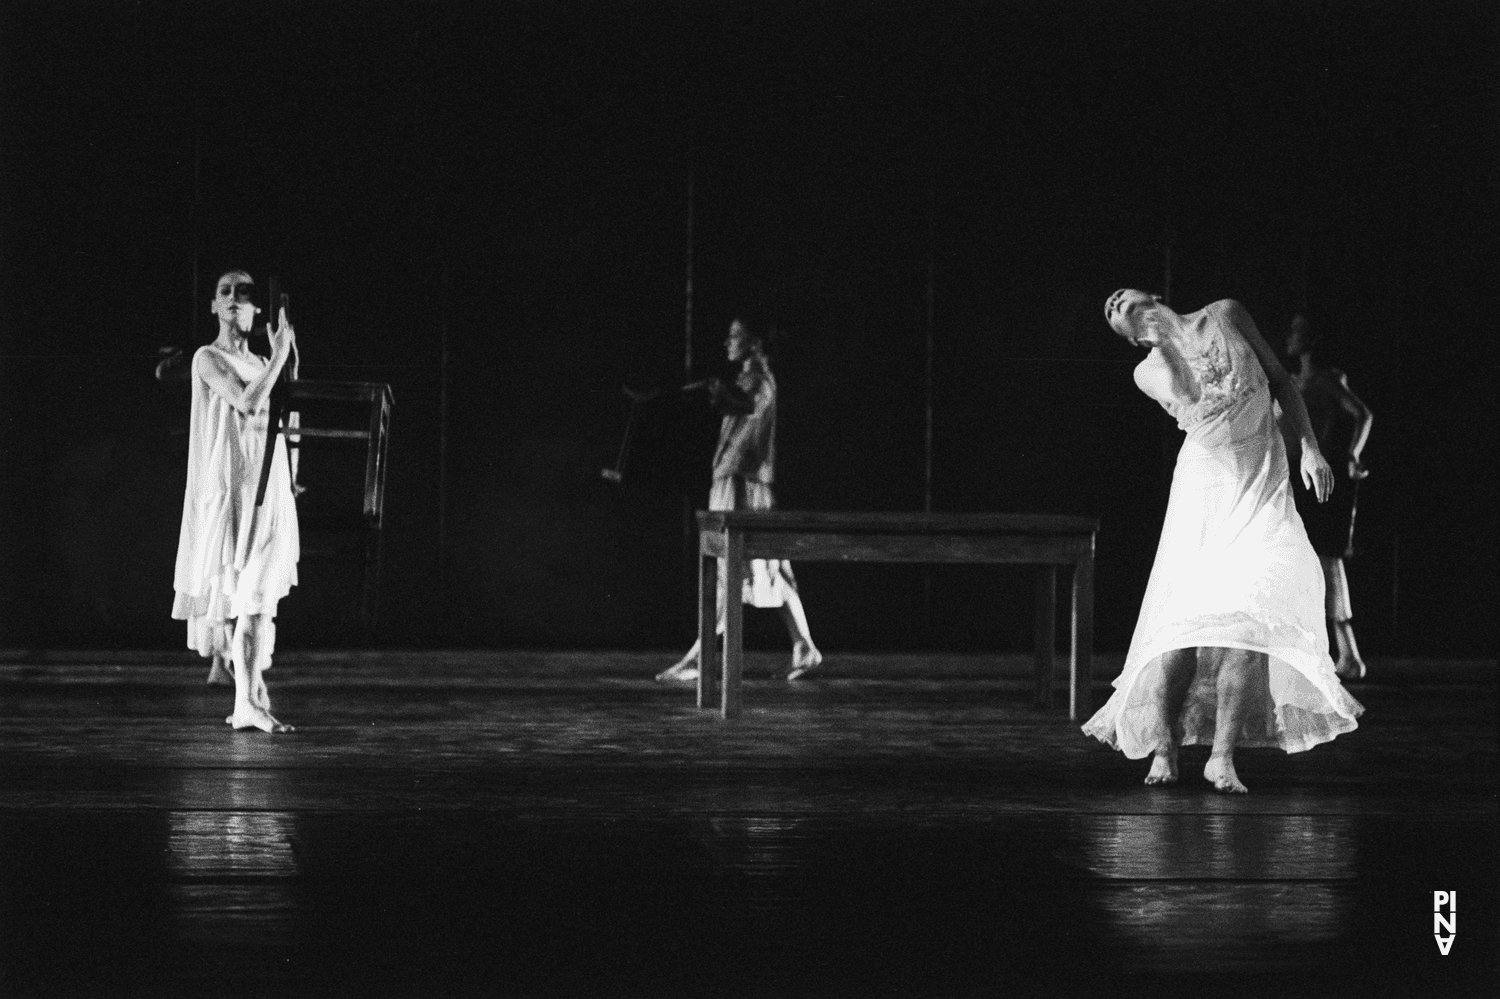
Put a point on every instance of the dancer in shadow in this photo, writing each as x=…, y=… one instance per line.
x=1230, y=647
x=744, y=466
x=1341, y=421
x=236, y=560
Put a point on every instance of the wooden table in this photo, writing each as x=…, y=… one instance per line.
x=1043, y=540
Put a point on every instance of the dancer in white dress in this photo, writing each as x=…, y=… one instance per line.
x=1230, y=648
x=235, y=560
x=744, y=466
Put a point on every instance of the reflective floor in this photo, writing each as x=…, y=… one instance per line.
x=534, y=827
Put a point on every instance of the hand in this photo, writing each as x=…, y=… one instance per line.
x=283, y=338
x=1357, y=471
x=1316, y=475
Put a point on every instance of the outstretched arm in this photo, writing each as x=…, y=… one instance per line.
x=1316, y=475
x=731, y=400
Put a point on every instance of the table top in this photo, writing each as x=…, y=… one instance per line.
x=316, y=388
x=897, y=522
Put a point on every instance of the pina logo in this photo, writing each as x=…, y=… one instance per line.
x=1444, y=923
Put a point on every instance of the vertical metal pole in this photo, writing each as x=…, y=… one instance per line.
x=687, y=334
x=927, y=384
x=196, y=224
x=444, y=284
x=689, y=537
x=196, y=220
x=927, y=394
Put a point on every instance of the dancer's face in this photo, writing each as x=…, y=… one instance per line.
x=738, y=344
x=232, y=301
x=1130, y=314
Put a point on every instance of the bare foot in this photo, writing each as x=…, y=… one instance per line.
x=219, y=675
x=260, y=697
x=684, y=670
x=1163, y=767
x=805, y=659
x=1219, y=771
x=251, y=716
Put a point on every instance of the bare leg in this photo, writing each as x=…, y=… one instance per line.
x=252, y=704
x=1242, y=675
x=221, y=669
x=805, y=655
x=1339, y=610
x=1350, y=666
x=684, y=669
x=1177, y=669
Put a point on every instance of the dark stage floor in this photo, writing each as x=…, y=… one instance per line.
x=476, y=824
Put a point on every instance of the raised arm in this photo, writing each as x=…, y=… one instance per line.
x=1316, y=475
x=246, y=397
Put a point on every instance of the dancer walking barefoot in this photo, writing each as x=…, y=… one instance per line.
x=1230, y=647
x=744, y=466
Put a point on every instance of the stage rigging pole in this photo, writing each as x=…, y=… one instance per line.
x=689, y=536
x=930, y=296
x=687, y=335
x=931, y=272
x=195, y=221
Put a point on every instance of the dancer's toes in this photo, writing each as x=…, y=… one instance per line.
x=1219, y=771
x=250, y=716
x=1163, y=768
x=805, y=659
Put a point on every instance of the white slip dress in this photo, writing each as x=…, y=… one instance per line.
x=768, y=581
x=232, y=557
x=1233, y=569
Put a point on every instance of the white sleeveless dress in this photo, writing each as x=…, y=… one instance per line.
x=232, y=558
x=1234, y=569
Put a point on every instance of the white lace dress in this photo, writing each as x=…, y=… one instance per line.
x=232, y=557
x=1234, y=569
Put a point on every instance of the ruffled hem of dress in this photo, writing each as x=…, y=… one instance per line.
x=1307, y=704
x=1297, y=730
x=205, y=611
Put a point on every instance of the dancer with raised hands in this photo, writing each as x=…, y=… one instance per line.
x=1230, y=648
x=235, y=559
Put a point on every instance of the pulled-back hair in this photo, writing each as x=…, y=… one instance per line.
x=758, y=328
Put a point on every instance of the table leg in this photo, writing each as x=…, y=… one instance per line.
x=708, y=640
x=734, y=621
x=1046, y=632
x=1081, y=672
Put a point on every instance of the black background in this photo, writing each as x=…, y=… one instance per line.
x=500, y=193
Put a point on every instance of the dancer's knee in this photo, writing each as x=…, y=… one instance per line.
x=1240, y=669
